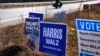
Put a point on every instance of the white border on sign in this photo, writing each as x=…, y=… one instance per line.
x=54, y=23
x=77, y=37
x=87, y=20
x=34, y=18
x=66, y=35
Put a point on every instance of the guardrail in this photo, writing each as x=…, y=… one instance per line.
x=14, y=16
x=29, y=4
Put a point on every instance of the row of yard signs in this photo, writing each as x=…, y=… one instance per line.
x=53, y=36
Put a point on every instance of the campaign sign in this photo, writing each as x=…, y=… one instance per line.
x=88, y=32
x=30, y=24
x=36, y=15
x=30, y=44
x=53, y=38
x=33, y=40
x=60, y=15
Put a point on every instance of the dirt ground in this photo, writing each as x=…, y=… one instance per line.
x=13, y=35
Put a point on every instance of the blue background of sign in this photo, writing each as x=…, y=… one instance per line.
x=84, y=54
x=37, y=15
x=32, y=20
x=62, y=42
x=60, y=15
x=78, y=21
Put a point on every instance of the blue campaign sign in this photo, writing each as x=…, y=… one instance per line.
x=30, y=24
x=53, y=38
x=37, y=15
x=88, y=32
x=60, y=15
x=33, y=40
x=88, y=25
